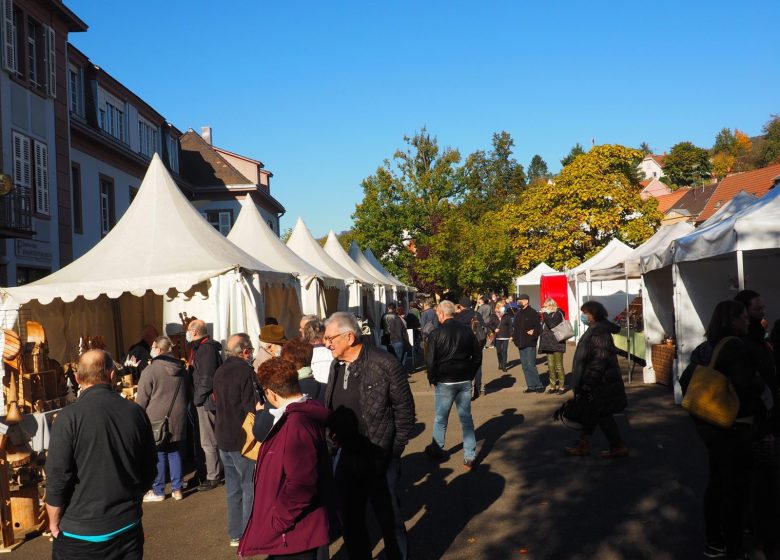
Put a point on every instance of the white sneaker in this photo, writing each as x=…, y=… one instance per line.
x=177, y=495
x=150, y=496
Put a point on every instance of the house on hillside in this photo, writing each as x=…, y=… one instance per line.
x=652, y=166
x=653, y=188
x=688, y=207
x=756, y=183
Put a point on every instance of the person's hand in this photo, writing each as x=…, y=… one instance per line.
x=259, y=406
x=531, y=331
x=54, y=529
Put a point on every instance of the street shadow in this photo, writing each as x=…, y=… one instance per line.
x=504, y=382
x=491, y=431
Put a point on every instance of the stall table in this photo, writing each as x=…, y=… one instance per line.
x=637, y=339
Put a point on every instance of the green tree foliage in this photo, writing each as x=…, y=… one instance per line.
x=768, y=151
x=405, y=199
x=593, y=199
x=645, y=148
x=537, y=170
x=576, y=150
x=687, y=165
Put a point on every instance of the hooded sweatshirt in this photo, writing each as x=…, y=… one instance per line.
x=156, y=391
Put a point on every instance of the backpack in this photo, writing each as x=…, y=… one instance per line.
x=476, y=327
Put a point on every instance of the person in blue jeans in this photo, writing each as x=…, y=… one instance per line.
x=453, y=358
x=525, y=335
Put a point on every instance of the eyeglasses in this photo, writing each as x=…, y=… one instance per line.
x=330, y=339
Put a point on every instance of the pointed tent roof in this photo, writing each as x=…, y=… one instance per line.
x=306, y=247
x=357, y=255
x=252, y=234
x=161, y=242
x=378, y=265
x=334, y=249
x=534, y=277
x=613, y=253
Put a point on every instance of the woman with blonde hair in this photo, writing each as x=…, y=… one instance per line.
x=548, y=344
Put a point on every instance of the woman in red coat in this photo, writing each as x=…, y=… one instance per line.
x=290, y=518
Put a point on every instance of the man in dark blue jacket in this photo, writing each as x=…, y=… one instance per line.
x=100, y=463
x=526, y=330
x=453, y=358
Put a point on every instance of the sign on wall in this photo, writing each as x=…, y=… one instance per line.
x=38, y=251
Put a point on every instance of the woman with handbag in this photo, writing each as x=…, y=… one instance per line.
x=598, y=383
x=164, y=392
x=549, y=344
x=503, y=333
x=728, y=449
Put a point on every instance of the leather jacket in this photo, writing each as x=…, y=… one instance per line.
x=454, y=354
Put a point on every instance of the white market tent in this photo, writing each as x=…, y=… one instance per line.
x=369, y=284
x=383, y=288
x=162, y=257
x=304, y=245
x=739, y=250
x=398, y=286
x=530, y=282
x=252, y=234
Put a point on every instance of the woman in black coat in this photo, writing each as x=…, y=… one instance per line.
x=548, y=344
x=728, y=450
x=598, y=382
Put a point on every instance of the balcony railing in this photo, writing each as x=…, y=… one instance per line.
x=16, y=214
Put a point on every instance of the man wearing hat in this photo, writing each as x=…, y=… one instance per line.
x=271, y=341
x=525, y=335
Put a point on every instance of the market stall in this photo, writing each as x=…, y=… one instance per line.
x=530, y=283
x=383, y=289
x=401, y=290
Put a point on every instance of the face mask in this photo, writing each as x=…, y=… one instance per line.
x=188, y=336
x=503, y=310
x=154, y=352
x=584, y=319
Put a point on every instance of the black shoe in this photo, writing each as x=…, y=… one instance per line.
x=539, y=390
x=529, y=390
x=715, y=551
x=434, y=452
x=208, y=485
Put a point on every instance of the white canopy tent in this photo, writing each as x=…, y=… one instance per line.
x=739, y=250
x=368, y=283
x=162, y=257
x=252, y=234
x=399, y=287
x=529, y=283
x=383, y=289
x=304, y=245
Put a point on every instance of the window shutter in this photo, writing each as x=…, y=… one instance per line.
x=51, y=60
x=9, y=37
x=21, y=160
x=41, y=179
x=224, y=223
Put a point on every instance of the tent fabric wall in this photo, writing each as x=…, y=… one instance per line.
x=658, y=313
x=283, y=302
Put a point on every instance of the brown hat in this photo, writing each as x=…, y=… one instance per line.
x=272, y=334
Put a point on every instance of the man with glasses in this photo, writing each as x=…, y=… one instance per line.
x=235, y=397
x=373, y=416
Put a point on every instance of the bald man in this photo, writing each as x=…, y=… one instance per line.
x=205, y=358
x=100, y=463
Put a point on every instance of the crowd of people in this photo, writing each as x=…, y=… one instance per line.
x=332, y=413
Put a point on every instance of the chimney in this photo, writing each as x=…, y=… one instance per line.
x=205, y=133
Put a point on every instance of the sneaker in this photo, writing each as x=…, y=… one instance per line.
x=552, y=391
x=432, y=450
x=715, y=551
x=150, y=496
x=234, y=542
x=615, y=452
x=468, y=464
x=208, y=485
x=177, y=495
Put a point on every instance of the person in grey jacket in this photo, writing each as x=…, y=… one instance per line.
x=164, y=382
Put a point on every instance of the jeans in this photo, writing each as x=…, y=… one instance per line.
x=239, y=490
x=168, y=456
x=528, y=361
x=208, y=441
x=460, y=394
x=477, y=384
x=398, y=350
x=555, y=368
x=393, y=474
x=125, y=546
x=501, y=347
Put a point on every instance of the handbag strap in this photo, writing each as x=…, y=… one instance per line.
x=718, y=347
x=173, y=400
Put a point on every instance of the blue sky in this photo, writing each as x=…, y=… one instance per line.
x=323, y=92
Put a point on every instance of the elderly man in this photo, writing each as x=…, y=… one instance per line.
x=101, y=461
x=205, y=358
x=321, y=357
x=373, y=416
x=304, y=320
x=453, y=358
x=525, y=335
x=271, y=341
x=234, y=388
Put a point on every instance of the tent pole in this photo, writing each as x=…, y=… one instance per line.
x=628, y=331
x=740, y=270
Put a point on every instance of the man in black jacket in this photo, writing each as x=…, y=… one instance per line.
x=453, y=358
x=235, y=397
x=101, y=461
x=525, y=335
x=466, y=315
x=373, y=416
x=205, y=358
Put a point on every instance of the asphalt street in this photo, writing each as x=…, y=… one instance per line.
x=524, y=500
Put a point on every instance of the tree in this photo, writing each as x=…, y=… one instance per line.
x=645, y=148
x=687, y=165
x=769, y=151
x=405, y=199
x=731, y=152
x=593, y=200
x=573, y=153
x=537, y=170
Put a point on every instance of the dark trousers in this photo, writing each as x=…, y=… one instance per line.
x=608, y=426
x=360, y=480
x=729, y=459
x=127, y=546
x=306, y=555
x=501, y=348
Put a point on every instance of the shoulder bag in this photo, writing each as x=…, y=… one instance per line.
x=160, y=427
x=710, y=396
x=251, y=447
x=563, y=331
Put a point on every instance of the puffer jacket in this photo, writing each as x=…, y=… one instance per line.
x=547, y=341
x=454, y=354
x=596, y=374
x=156, y=389
x=386, y=400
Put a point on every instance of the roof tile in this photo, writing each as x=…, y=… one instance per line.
x=756, y=183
